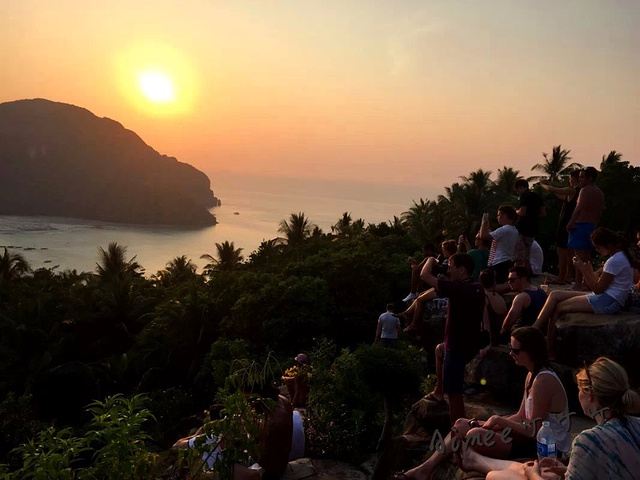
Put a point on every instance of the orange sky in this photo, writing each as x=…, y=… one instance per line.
x=411, y=91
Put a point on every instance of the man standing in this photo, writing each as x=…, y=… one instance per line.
x=462, y=328
x=526, y=306
x=530, y=210
x=503, y=241
x=585, y=217
x=388, y=328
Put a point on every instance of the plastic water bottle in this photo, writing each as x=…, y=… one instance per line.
x=546, y=442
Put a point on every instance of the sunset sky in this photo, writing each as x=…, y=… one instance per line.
x=416, y=92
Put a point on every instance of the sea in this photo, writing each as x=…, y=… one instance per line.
x=252, y=207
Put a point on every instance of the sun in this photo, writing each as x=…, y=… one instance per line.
x=157, y=87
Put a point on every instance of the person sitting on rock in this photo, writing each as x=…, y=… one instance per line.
x=513, y=436
x=609, y=291
x=414, y=313
x=428, y=250
x=610, y=450
x=527, y=305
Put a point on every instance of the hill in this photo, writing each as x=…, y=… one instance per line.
x=61, y=160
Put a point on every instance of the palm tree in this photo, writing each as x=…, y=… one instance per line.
x=178, y=270
x=297, y=229
x=506, y=182
x=345, y=227
x=229, y=258
x=112, y=263
x=611, y=159
x=12, y=266
x=554, y=166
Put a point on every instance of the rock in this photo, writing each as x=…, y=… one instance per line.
x=498, y=372
x=584, y=337
x=321, y=470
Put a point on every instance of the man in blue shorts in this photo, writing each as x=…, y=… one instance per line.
x=462, y=329
x=585, y=217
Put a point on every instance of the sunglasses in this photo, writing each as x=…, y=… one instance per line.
x=515, y=351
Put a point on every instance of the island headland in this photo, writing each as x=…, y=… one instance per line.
x=62, y=160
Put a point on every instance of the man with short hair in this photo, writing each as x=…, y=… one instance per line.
x=586, y=216
x=530, y=210
x=480, y=256
x=462, y=328
x=526, y=305
x=388, y=328
x=503, y=241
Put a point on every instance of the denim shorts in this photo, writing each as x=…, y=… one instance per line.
x=603, y=304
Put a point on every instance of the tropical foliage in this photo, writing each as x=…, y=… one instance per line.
x=68, y=339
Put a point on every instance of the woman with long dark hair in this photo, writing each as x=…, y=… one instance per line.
x=544, y=399
x=609, y=290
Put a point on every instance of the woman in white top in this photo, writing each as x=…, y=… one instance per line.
x=609, y=290
x=512, y=436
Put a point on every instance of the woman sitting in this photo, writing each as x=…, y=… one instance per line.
x=610, y=290
x=610, y=450
x=544, y=399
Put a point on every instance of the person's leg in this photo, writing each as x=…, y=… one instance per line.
x=438, y=392
x=453, y=383
x=415, y=279
x=578, y=302
x=441, y=452
x=563, y=264
x=474, y=461
x=418, y=311
x=550, y=306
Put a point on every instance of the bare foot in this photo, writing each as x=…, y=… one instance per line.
x=469, y=460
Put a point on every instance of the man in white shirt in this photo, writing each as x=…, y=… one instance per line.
x=388, y=328
x=503, y=241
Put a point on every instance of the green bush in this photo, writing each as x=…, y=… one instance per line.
x=345, y=414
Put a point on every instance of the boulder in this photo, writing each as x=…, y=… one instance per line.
x=582, y=337
x=321, y=470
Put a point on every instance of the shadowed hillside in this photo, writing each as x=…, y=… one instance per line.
x=61, y=160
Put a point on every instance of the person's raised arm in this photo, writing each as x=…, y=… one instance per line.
x=485, y=233
x=426, y=273
x=597, y=284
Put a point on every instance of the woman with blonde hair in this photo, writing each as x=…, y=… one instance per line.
x=610, y=450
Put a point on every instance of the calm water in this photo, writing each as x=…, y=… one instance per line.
x=261, y=204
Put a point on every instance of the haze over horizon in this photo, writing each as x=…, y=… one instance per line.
x=412, y=92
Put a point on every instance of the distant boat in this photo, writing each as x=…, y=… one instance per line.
x=236, y=213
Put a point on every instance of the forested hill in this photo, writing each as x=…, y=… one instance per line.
x=61, y=160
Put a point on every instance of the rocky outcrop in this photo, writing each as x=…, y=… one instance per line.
x=582, y=337
x=62, y=160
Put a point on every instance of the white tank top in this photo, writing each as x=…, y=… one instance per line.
x=559, y=422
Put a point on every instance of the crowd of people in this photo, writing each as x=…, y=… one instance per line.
x=478, y=318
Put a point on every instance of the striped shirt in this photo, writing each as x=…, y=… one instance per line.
x=609, y=451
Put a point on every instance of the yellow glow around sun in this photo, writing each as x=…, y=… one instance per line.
x=157, y=87
x=157, y=79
